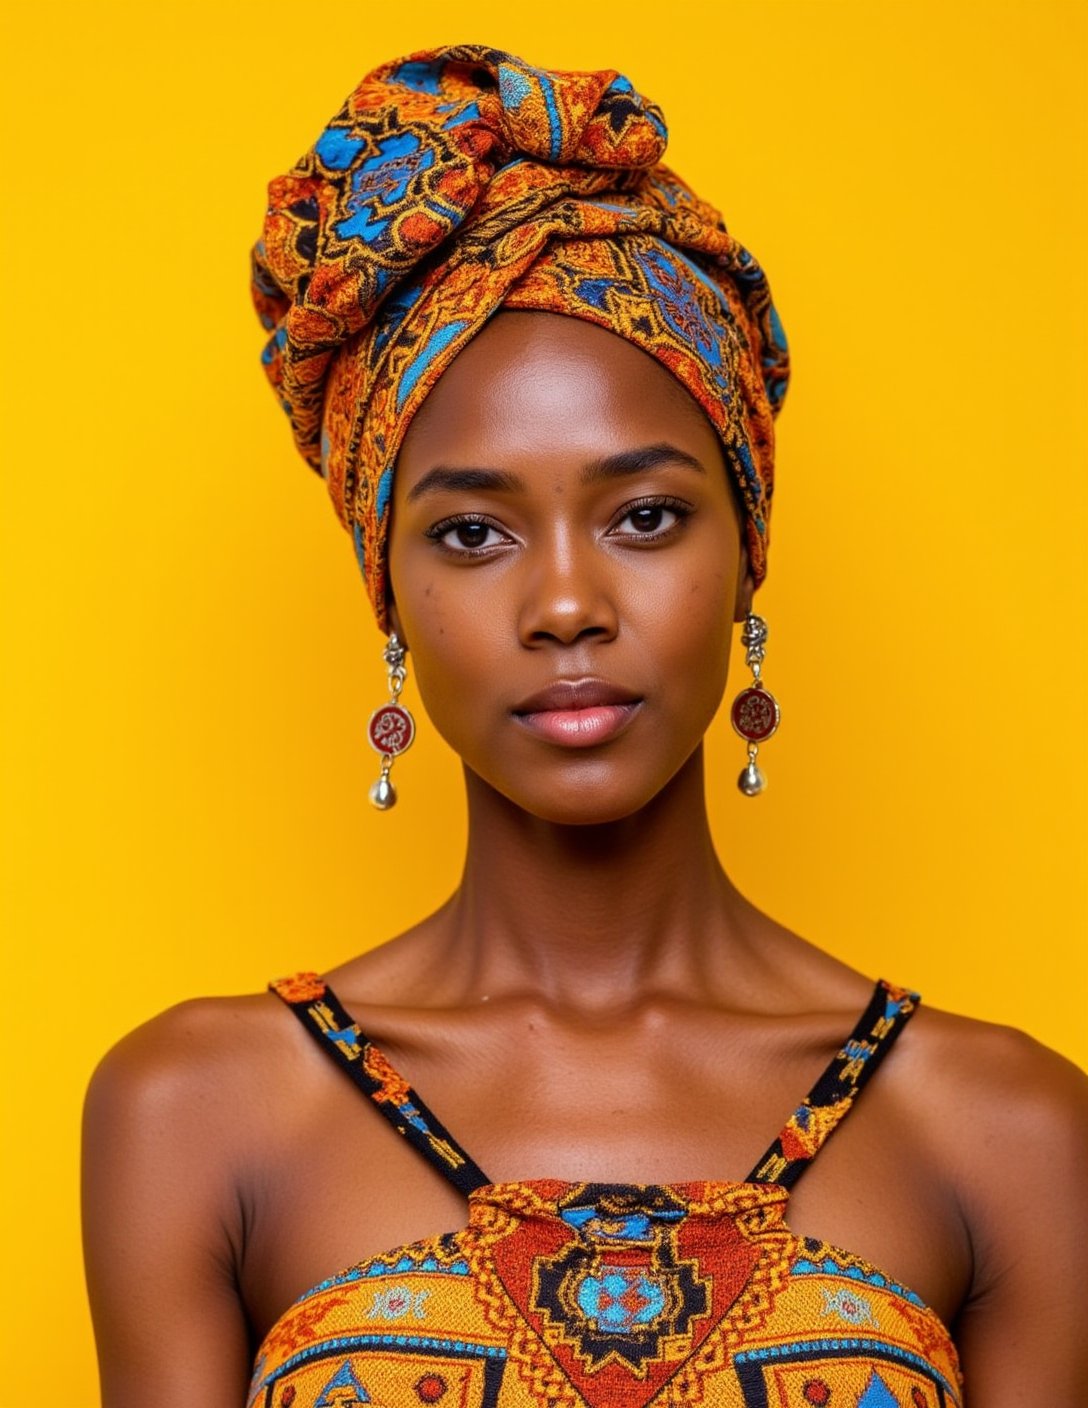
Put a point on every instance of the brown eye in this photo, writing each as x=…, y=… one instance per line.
x=652, y=519
x=648, y=519
x=472, y=535
x=467, y=536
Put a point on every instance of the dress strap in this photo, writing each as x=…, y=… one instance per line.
x=319, y=1010
x=831, y=1098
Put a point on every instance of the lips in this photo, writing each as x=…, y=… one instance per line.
x=578, y=713
x=575, y=694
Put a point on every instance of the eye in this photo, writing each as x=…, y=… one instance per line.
x=651, y=518
x=648, y=519
x=467, y=535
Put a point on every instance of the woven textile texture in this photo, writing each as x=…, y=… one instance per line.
x=461, y=180
x=605, y=1295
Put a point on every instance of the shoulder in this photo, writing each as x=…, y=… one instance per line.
x=187, y=1040
x=174, y=1124
x=204, y=1063
x=1000, y=1069
x=1001, y=1110
x=1005, y=1122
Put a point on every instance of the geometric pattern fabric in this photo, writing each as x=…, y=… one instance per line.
x=462, y=180
x=605, y=1295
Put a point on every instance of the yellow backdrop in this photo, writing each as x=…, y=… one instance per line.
x=193, y=660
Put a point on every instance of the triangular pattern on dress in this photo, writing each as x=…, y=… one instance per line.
x=343, y=1390
x=877, y=1394
x=621, y=1286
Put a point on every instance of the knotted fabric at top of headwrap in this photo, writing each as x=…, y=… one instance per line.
x=461, y=180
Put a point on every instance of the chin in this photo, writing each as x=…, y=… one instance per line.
x=590, y=794
x=580, y=812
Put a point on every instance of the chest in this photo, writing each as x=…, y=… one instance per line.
x=334, y=1183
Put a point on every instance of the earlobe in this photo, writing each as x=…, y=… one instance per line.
x=395, y=627
x=745, y=587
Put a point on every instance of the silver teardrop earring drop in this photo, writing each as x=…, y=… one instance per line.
x=755, y=712
x=391, y=728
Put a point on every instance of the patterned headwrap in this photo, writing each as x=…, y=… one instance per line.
x=459, y=181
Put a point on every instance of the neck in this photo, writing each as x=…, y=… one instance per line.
x=586, y=916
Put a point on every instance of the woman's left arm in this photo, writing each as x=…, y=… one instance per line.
x=1023, y=1175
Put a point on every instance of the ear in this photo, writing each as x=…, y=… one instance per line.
x=745, y=586
x=395, y=626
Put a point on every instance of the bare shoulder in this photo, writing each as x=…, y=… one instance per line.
x=190, y=1038
x=176, y=1116
x=205, y=1063
x=1005, y=1122
x=1000, y=1067
x=1000, y=1108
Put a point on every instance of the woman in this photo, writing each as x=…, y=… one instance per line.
x=482, y=276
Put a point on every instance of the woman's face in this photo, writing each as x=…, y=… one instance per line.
x=565, y=563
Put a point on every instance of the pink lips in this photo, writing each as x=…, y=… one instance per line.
x=578, y=713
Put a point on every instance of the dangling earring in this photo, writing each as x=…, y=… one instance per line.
x=391, y=728
x=755, y=711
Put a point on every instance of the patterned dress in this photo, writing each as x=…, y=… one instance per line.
x=609, y=1295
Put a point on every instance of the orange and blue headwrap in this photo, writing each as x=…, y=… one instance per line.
x=461, y=180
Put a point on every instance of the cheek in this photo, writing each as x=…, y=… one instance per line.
x=686, y=624
x=452, y=653
x=703, y=634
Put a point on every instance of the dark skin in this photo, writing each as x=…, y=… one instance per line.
x=228, y=1167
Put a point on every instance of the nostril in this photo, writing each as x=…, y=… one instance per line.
x=573, y=635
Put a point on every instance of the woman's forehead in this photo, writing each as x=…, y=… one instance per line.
x=545, y=383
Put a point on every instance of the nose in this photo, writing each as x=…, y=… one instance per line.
x=567, y=595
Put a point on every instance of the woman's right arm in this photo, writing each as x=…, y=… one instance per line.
x=162, y=1222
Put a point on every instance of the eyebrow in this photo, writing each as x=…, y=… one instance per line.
x=637, y=461
x=445, y=477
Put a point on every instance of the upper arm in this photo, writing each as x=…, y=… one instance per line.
x=160, y=1221
x=1024, y=1174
